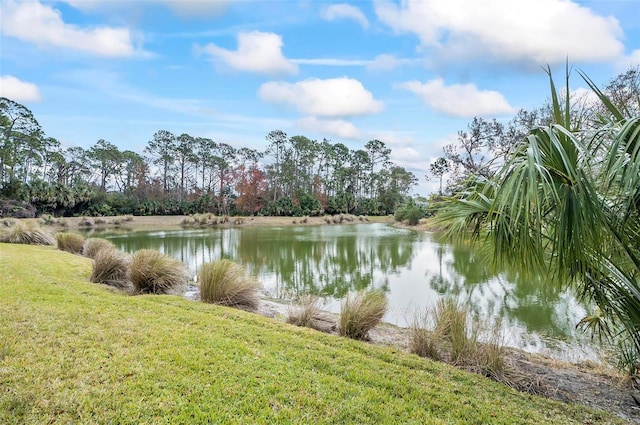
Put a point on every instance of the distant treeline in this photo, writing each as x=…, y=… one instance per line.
x=182, y=174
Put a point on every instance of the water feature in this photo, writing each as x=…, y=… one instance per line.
x=414, y=268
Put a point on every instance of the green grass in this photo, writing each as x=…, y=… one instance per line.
x=76, y=352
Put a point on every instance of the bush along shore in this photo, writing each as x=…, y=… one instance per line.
x=225, y=283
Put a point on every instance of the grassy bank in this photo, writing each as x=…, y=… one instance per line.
x=76, y=352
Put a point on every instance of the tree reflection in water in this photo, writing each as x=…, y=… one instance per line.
x=414, y=268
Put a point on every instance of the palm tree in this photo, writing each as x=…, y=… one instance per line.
x=567, y=203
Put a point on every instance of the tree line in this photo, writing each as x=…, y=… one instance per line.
x=183, y=174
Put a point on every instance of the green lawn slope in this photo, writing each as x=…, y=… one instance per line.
x=76, y=352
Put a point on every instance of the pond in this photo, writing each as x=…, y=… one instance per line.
x=415, y=269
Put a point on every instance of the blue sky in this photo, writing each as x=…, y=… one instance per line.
x=410, y=73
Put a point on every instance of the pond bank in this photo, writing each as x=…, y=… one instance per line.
x=587, y=383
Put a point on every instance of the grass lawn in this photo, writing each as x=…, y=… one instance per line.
x=76, y=352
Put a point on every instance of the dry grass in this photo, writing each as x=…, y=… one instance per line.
x=92, y=246
x=111, y=267
x=155, y=273
x=70, y=242
x=26, y=234
x=447, y=332
x=226, y=283
x=307, y=312
x=86, y=222
x=423, y=341
x=361, y=313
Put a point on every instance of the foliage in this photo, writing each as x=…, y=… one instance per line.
x=166, y=360
x=111, y=267
x=70, y=242
x=360, y=313
x=307, y=312
x=226, y=283
x=186, y=175
x=410, y=212
x=155, y=273
x=22, y=233
x=566, y=202
x=92, y=246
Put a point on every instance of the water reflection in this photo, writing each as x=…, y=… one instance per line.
x=414, y=268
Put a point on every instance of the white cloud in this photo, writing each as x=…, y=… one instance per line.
x=42, y=25
x=538, y=31
x=584, y=97
x=459, y=100
x=386, y=62
x=343, y=10
x=632, y=60
x=259, y=52
x=19, y=91
x=338, y=128
x=332, y=62
x=335, y=97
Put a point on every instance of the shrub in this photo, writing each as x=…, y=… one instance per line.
x=93, y=246
x=413, y=215
x=155, y=273
x=30, y=235
x=70, y=242
x=360, y=314
x=111, y=267
x=47, y=220
x=307, y=313
x=225, y=283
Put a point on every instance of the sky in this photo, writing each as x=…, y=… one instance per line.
x=410, y=73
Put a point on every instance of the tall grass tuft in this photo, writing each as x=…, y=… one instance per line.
x=423, y=341
x=459, y=339
x=361, y=313
x=226, y=283
x=451, y=323
x=111, y=267
x=92, y=246
x=307, y=313
x=21, y=233
x=70, y=242
x=155, y=273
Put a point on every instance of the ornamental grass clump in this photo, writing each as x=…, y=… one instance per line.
x=70, y=242
x=447, y=332
x=307, y=313
x=152, y=272
x=92, y=246
x=21, y=233
x=111, y=267
x=422, y=341
x=226, y=283
x=361, y=313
